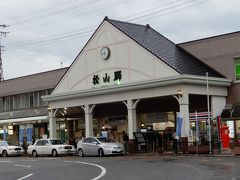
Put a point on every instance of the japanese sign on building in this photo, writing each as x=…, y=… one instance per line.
x=107, y=78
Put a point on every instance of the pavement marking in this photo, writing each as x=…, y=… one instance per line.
x=6, y=161
x=25, y=177
x=30, y=160
x=49, y=158
x=20, y=165
x=91, y=164
x=189, y=166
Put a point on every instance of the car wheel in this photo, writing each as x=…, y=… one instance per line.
x=34, y=154
x=4, y=153
x=100, y=153
x=80, y=153
x=54, y=153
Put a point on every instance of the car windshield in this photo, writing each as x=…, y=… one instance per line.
x=4, y=143
x=55, y=142
x=105, y=140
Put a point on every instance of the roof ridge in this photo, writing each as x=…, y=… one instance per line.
x=121, y=21
x=210, y=37
x=35, y=74
x=147, y=25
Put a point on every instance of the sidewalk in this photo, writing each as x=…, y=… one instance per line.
x=155, y=154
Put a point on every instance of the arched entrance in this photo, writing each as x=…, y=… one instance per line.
x=110, y=120
x=156, y=118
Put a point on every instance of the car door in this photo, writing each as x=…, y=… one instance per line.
x=46, y=148
x=93, y=147
x=1, y=147
x=85, y=145
x=38, y=147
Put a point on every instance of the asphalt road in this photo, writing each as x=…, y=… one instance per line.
x=121, y=167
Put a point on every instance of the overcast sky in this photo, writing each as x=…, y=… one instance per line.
x=44, y=33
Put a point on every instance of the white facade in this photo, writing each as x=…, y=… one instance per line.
x=143, y=76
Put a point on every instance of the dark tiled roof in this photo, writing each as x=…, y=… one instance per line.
x=30, y=83
x=170, y=53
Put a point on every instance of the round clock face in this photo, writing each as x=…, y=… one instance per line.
x=105, y=52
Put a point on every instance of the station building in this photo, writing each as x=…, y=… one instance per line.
x=128, y=77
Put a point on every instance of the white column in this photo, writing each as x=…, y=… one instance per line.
x=88, y=121
x=52, y=124
x=184, y=111
x=132, y=120
x=217, y=105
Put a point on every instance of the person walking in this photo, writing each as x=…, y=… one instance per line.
x=125, y=140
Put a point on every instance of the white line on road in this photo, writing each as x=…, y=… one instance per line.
x=189, y=166
x=30, y=160
x=25, y=177
x=6, y=161
x=20, y=165
x=91, y=164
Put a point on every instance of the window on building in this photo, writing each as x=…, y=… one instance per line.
x=25, y=101
x=36, y=99
x=30, y=100
x=42, y=93
x=17, y=102
x=237, y=69
x=1, y=104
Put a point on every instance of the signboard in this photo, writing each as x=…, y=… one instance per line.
x=230, y=124
x=107, y=78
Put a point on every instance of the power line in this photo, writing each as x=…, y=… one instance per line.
x=74, y=16
x=42, y=11
x=73, y=34
x=61, y=11
x=171, y=10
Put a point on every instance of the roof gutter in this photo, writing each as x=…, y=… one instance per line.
x=183, y=79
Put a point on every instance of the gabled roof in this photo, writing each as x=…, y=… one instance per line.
x=170, y=53
x=30, y=83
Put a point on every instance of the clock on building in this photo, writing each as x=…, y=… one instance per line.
x=105, y=53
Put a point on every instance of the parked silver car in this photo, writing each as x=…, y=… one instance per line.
x=100, y=146
x=7, y=150
x=52, y=147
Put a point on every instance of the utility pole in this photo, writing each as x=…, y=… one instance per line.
x=209, y=120
x=2, y=33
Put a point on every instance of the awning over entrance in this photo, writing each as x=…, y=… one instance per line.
x=231, y=113
x=40, y=113
x=236, y=113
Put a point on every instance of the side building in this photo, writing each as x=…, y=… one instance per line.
x=23, y=114
x=223, y=54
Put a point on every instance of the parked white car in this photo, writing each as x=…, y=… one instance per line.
x=7, y=150
x=100, y=146
x=52, y=147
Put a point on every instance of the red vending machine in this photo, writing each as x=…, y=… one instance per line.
x=225, y=137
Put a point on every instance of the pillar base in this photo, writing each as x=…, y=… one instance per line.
x=184, y=145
